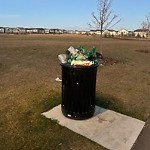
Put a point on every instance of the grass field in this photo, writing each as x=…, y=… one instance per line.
x=28, y=68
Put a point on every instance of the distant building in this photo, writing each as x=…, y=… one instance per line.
x=2, y=30
x=71, y=32
x=141, y=33
x=123, y=32
x=56, y=31
x=110, y=33
x=131, y=34
x=77, y=32
x=8, y=30
x=29, y=30
x=34, y=30
x=83, y=32
x=98, y=32
x=40, y=30
x=91, y=32
x=46, y=31
x=15, y=30
x=95, y=32
x=21, y=30
x=106, y=33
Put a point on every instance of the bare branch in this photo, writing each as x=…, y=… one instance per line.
x=146, y=24
x=95, y=18
x=115, y=23
x=105, y=17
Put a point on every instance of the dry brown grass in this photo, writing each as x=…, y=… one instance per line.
x=28, y=68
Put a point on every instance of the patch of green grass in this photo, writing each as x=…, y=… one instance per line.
x=51, y=101
x=110, y=102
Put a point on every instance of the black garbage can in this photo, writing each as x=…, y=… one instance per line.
x=78, y=91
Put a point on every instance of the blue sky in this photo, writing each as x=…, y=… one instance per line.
x=69, y=14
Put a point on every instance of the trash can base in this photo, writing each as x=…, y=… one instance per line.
x=78, y=116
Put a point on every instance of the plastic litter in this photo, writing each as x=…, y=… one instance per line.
x=58, y=79
x=62, y=58
x=80, y=57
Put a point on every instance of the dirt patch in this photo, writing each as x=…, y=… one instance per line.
x=108, y=61
x=143, y=51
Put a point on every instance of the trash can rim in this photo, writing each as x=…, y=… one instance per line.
x=78, y=66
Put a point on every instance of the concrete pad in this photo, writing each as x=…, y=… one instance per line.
x=107, y=128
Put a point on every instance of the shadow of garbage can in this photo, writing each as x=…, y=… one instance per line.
x=78, y=91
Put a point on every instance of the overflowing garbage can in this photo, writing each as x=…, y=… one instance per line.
x=78, y=85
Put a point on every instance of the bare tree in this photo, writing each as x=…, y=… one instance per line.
x=146, y=24
x=105, y=17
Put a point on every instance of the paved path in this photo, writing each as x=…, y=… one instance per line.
x=143, y=140
x=108, y=128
